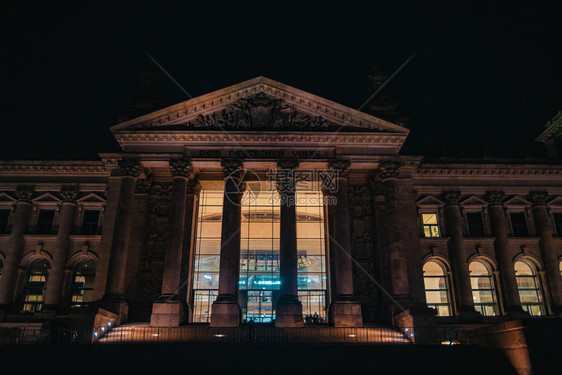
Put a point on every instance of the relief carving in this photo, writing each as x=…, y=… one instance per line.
x=259, y=111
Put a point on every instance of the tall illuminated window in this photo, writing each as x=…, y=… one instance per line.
x=436, y=287
x=430, y=225
x=207, y=254
x=83, y=284
x=35, y=286
x=311, y=253
x=483, y=288
x=529, y=288
x=259, y=253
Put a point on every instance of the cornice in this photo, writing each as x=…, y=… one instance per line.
x=218, y=138
x=53, y=168
x=521, y=170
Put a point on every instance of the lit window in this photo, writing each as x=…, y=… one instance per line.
x=475, y=224
x=529, y=288
x=436, y=288
x=483, y=288
x=35, y=286
x=519, y=224
x=430, y=225
x=83, y=285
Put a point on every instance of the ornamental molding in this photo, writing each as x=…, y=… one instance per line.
x=51, y=168
x=485, y=170
x=212, y=138
x=254, y=103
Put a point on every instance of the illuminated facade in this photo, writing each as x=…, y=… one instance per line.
x=262, y=203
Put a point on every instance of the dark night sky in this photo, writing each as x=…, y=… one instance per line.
x=487, y=76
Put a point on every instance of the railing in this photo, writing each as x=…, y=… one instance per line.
x=257, y=334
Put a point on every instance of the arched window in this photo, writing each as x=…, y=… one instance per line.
x=83, y=284
x=483, y=288
x=529, y=288
x=437, y=287
x=35, y=285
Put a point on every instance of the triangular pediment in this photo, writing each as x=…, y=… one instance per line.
x=474, y=201
x=517, y=201
x=556, y=202
x=430, y=200
x=91, y=198
x=259, y=104
x=47, y=197
x=6, y=198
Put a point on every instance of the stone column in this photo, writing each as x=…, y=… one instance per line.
x=346, y=309
x=193, y=189
x=169, y=310
x=544, y=228
x=67, y=212
x=14, y=248
x=226, y=309
x=454, y=225
x=498, y=221
x=289, y=308
x=113, y=300
x=393, y=236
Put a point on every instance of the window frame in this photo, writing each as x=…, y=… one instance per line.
x=448, y=287
x=490, y=267
x=538, y=287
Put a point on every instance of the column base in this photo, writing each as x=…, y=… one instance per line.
x=117, y=305
x=517, y=312
x=45, y=314
x=289, y=314
x=225, y=314
x=346, y=314
x=167, y=314
x=469, y=315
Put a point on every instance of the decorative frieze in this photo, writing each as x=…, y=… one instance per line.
x=538, y=198
x=495, y=197
x=130, y=168
x=181, y=167
x=452, y=198
x=389, y=169
x=69, y=193
x=24, y=193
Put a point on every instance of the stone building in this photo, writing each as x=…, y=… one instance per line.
x=260, y=202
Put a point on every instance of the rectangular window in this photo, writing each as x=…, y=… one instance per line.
x=519, y=224
x=430, y=225
x=558, y=223
x=4, y=217
x=45, y=222
x=475, y=224
x=90, y=222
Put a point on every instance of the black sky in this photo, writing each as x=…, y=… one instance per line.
x=485, y=80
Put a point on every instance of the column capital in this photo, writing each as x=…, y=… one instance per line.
x=389, y=169
x=24, y=193
x=181, y=167
x=287, y=163
x=194, y=187
x=495, y=198
x=538, y=198
x=340, y=166
x=130, y=168
x=452, y=197
x=232, y=167
x=143, y=186
x=69, y=193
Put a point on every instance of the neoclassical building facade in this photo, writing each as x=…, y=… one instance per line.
x=263, y=203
